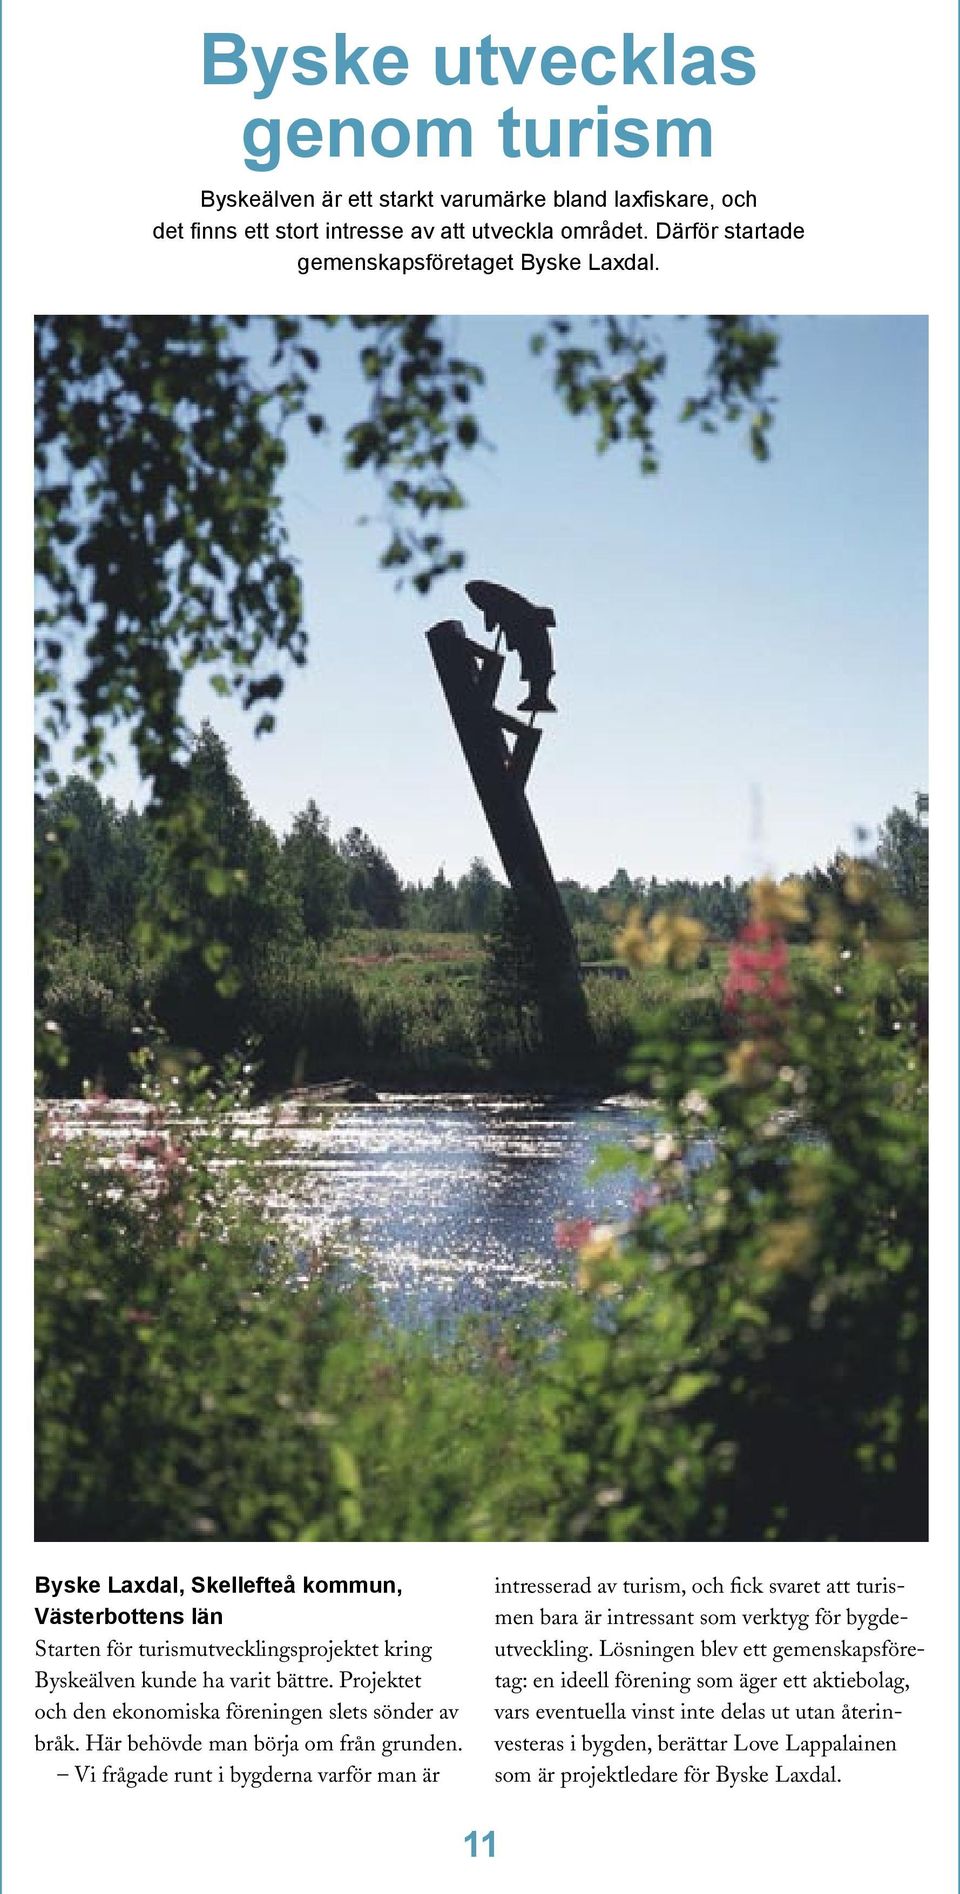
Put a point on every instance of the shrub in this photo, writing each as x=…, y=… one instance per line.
x=771, y=1289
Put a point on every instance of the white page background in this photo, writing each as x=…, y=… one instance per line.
x=847, y=129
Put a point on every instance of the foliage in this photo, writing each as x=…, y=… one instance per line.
x=512, y=1023
x=159, y=541
x=197, y=1379
x=610, y=368
x=778, y=1254
x=374, y=890
x=903, y=851
x=166, y=434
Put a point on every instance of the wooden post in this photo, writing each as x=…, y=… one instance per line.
x=470, y=674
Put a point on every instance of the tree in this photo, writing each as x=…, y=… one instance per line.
x=903, y=848
x=440, y=900
x=74, y=834
x=510, y=987
x=374, y=889
x=317, y=873
x=240, y=903
x=620, y=892
x=159, y=542
x=478, y=898
x=129, y=871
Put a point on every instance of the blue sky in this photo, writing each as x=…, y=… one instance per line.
x=740, y=648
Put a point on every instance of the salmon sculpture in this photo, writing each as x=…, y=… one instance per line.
x=525, y=628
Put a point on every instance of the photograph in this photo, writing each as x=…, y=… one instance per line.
x=481, y=826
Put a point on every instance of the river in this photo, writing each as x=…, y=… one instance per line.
x=450, y=1204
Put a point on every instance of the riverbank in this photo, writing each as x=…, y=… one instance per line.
x=416, y=1020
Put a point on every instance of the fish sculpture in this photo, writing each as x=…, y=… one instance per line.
x=524, y=627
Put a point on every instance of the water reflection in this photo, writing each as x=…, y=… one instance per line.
x=447, y=1204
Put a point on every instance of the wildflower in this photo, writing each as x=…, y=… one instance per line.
x=758, y=969
x=694, y=1104
x=859, y=883
x=675, y=940
x=572, y=1234
x=645, y=1198
x=757, y=989
x=147, y=1148
x=601, y=1244
x=671, y=940
x=631, y=943
x=665, y=1148
x=746, y=1064
x=600, y=1250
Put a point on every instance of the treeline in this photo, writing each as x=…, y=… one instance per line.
x=106, y=867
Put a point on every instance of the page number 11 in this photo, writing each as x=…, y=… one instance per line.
x=485, y=1840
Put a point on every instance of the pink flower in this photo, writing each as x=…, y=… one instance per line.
x=758, y=973
x=644, y=1199
x=574, y=1234
x=149, y=1147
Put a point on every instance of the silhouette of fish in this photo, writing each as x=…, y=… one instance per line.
x=524, y=627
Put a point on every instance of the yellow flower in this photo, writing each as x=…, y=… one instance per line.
x=778, y=904
x=601, y=1244
x=631, y=942
x=789, y=1244
x=675, y=940
x=859, y=882
x=671, y=940
x=598, y=1252
x=745, y=1063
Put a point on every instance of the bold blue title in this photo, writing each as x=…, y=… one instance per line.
x=229, y=61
